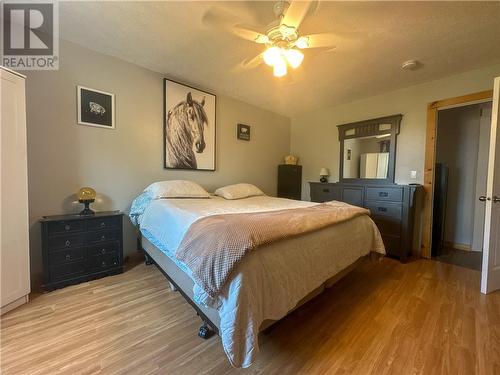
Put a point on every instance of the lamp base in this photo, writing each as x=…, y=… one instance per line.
x=86, y=210
x=323, y=179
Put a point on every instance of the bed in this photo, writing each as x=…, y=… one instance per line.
x=268, y=282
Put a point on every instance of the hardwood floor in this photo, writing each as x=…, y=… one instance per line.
x=463, y=258
x=424, y=317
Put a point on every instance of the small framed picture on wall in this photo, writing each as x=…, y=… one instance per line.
x=95, y=108
x=243, y=132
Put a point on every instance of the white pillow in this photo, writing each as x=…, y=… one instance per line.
x=176, y=189
x=238, y=191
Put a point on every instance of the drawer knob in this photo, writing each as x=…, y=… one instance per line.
x=103, y=264
x=68, y=257
x=103, y=237
x=382, y=209
x=103, y=224
x=326, y=190
x=383, y=194
x=67, y=227
x=103, y=251
x=67, y=243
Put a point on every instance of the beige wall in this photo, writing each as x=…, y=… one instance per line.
x=315, y=138
x=63, y=156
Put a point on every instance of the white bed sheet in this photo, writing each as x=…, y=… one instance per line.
x=270, y=281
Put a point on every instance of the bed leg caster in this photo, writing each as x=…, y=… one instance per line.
x=205, y=332
x=172, y=287
x=148, y=261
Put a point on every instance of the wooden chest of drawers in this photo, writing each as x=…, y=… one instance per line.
x=80, y=248
x=392, y=208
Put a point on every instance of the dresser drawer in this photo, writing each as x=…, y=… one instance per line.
x=392, y=245
x=104, y=223
x=66, y=271
x=103, y=249
x=384, y=194
x=103, y=236
x=388, y=226
x=66, y=256
x=101, y=262
x=389, y=211
x=324, y=193
x=66, y=241
x=59, y=227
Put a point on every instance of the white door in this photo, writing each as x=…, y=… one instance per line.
x=490, y=276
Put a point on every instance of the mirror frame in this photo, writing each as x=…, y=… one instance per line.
x=368, y=128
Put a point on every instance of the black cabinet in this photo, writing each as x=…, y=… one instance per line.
x=80, y=248
x=392, y=209
x=289, y=181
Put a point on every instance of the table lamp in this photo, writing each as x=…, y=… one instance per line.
x=86, y=195
x=324, y=173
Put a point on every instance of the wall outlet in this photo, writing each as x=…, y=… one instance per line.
x=413, y=174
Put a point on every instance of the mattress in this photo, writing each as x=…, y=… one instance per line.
x=270, y=281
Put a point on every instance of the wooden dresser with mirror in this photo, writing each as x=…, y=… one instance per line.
x=367, y=168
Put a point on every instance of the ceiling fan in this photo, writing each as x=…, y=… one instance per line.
x=282, y=39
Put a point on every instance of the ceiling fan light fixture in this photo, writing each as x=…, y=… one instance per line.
x=272, y=55
x=279, y=68
x=294, y=57
x=302, y=42
x=262, y=39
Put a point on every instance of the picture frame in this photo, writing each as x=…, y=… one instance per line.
x=189, y=127
x=95, y=107
x=243, y=132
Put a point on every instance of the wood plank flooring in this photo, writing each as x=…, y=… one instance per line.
x=424, y=317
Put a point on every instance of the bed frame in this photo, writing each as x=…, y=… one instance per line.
x=182, y=283
x=208, y=327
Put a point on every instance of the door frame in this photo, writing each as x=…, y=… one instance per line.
x=430, y=157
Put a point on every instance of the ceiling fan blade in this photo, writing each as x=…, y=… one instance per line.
x=227, y=21
x=320, y=40
x=248, y=34
x=248, y=64
x=296, y=13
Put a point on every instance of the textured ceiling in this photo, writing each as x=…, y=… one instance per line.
x=374, y=39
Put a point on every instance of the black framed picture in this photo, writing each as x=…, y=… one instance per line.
x=96, y=108
x=243, y=132
x=189, y=128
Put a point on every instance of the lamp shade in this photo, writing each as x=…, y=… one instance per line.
x=324, y=172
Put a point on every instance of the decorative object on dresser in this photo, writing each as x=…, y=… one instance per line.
x=86, y=195
x=324, y=173
x=14, y=254
x=95, y=108
x=243, y=132
x=291, y=160
x=392, y=208
x=189, y=127
x=77, y=248
x=289, y=181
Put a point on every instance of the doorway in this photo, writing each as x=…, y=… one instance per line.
x=461, y=159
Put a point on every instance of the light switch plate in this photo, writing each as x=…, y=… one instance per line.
x=413, y=174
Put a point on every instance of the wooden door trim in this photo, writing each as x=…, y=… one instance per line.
x=430, y=158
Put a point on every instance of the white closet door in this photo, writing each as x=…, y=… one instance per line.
x=14, y=252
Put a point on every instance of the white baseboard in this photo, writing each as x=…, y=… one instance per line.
x=458, y=246
x=11, y=306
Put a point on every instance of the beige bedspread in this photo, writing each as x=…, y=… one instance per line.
x=214, y=245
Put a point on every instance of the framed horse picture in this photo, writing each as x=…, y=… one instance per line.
x=189, y=127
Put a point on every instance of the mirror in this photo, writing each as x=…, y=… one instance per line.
x=367, y=149
x=367, y=157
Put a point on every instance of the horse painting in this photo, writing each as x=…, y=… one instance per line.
x=184, y=133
